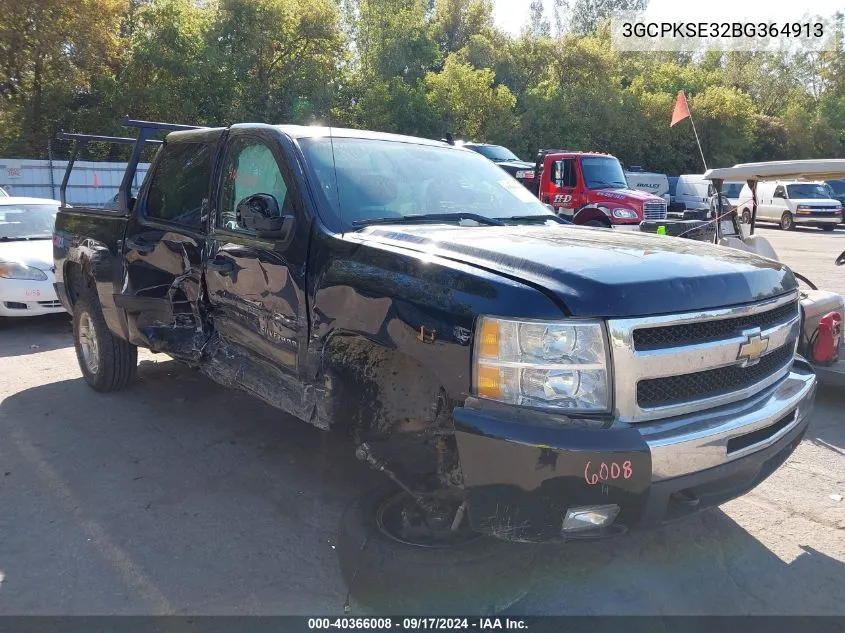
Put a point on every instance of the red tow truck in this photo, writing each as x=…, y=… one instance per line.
x=590, y=188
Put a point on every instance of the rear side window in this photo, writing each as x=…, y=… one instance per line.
x=179, y=188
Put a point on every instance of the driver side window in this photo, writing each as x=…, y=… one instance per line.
x=780, y=192
x=567, y=173
x=249, y=168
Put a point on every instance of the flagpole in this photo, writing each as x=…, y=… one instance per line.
x=697, y=141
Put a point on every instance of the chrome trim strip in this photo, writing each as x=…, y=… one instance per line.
x=631, y=366
x=698, y=442
x=674, y=361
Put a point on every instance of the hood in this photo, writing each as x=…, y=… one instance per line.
x=601, y=272
x=37, y=253
x=619, y=195
x=816, y=202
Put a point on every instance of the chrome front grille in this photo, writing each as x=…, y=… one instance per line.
x=677, y=364
x=659, y=392
x=654, y=211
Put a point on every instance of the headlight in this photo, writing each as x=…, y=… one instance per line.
x=560, y=365
x=804, y=207
x=12, y=270
x=625, y=214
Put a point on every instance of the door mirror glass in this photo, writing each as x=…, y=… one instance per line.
x=260, y=213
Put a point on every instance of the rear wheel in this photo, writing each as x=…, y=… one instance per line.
x=746, y=216
x=829, y=227
x=786, y=221
x=107, y=362
x=397, y=562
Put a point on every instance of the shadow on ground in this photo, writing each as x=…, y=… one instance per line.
x=30, y=335
x=177, y=496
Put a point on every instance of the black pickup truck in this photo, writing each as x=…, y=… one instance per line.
x=516, y=378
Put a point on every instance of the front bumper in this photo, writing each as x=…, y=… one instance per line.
x=523, y=474
x=23, y=297
x=817, y=220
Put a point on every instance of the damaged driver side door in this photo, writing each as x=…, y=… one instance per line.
x=163, y=250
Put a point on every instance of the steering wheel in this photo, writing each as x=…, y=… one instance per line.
x=840, y=261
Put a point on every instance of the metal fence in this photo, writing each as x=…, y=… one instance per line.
x=92, y=183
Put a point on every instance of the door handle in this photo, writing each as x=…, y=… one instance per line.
x=220, y=265
x=139, y=245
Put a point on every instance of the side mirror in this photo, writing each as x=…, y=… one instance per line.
x=260, y=213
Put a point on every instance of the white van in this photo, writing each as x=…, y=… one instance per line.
x=650, y=182
x=693, y=192
x=793, y=202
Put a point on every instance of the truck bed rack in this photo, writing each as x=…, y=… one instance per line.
x=146, y=130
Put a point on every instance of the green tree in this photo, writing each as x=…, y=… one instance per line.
x=51, y=52
x=456, y=22
x=469, y=104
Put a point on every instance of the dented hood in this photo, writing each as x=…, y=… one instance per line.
x=602, y=272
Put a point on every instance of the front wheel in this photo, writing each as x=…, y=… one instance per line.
x=829, y=228
x=394, y=563
x=597, y=223
x=108, y=363
x=787, y=223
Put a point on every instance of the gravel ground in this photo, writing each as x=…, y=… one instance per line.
x=176, y=496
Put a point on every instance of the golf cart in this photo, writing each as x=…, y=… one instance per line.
x=823, y=312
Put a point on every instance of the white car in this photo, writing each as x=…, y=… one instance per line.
x=789, y=203
x=26, y=257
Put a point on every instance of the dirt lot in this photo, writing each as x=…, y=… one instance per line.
x=178, y=497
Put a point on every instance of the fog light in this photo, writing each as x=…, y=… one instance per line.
x=589, y=517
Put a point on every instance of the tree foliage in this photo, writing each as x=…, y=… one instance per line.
x=422, y=67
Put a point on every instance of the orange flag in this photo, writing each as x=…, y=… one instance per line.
x=681, y=109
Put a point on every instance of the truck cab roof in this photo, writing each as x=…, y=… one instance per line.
x=310, y=131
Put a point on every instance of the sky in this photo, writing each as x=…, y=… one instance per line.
x=511, y=15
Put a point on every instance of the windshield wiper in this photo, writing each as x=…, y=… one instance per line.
x=603, y=183
x=538, y=218
x=431, y=217
x=23, y=238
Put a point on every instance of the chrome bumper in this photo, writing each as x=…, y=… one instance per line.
x=692, y=443
x=817, y=219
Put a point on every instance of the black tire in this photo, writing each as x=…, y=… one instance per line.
x=787, y=223
x=117, y=359
x=598, y=223
x=481, y=576
x=829, y=227
x=746, y=216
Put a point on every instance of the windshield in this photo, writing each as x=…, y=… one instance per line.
x=731, y=189
x=494, y=152
x=838, y=186
x=376, y=179
x=603, y=173
x=808, y=191
x=19, y=221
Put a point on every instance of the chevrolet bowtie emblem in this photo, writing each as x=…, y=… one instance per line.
x=753, y=348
